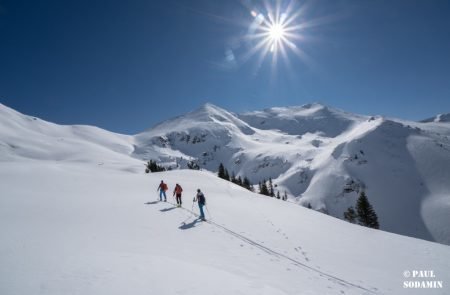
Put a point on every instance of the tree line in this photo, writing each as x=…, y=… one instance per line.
x=265, y=187
x=224, y=174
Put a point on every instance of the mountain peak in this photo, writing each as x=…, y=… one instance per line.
x=308, y=108
x=313, y=105
x=441, y=118
x=209, y=105
x=207, y=116
x=296, y=120
x=210, y=108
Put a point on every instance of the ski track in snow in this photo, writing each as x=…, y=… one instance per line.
x=274, y=253
x=92, y=232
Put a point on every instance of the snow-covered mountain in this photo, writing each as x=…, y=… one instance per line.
x=310, y=118
x=322, y=157
x=29, y=138
x=441, y=118
x=79, y=216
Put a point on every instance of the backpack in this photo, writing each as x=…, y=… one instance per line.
x=201, y=199
x=164, y=187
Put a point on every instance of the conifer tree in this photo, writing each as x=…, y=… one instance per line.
x=270, y=188
x=264, y=189
x=221, y=172
x=151, y=166
x=246, y=183
x=193, y=165
x=148, y=166
x=226, y=175
x=239, y=181
x=366, y=213
x=233, y=178
x=350, y=215
x=278, y=195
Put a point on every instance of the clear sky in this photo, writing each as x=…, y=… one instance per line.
x=127, y=65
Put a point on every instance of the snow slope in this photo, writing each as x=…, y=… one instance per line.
x=322, y=157
x=79, y=216
x=80, y=228
x=25, y=138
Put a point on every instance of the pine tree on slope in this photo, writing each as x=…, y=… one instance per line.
x=226, y=175
x=239, y=181
x=264, y=190
x=221, y=172
x=350, y=215
x=366, y=213
x=233, y=178
x=270, y=188
x=246, y=183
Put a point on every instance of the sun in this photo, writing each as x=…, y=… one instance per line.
x=275, y=30
x=276, y=34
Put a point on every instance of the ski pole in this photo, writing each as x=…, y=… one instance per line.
x=192, y=209
x=208, y=211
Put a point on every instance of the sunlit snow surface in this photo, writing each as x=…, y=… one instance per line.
x=80, y=228
x=79, y=216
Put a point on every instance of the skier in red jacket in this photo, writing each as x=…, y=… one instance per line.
x=162, y=191
x=177, y=191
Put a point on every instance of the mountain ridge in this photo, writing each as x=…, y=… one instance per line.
x=440, y=118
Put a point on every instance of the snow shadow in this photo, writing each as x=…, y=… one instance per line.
x=189, y=225
x=152, y=203
x=167, y=209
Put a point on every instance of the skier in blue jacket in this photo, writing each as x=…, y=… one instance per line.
x=200, y=198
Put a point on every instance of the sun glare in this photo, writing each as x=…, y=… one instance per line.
x=275, y=36
x=276, y=30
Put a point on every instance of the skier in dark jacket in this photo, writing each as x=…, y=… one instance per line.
x=200, y=198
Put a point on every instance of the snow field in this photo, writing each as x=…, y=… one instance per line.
x=78, y=228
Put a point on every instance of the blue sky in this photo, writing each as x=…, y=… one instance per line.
x=127, y=65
